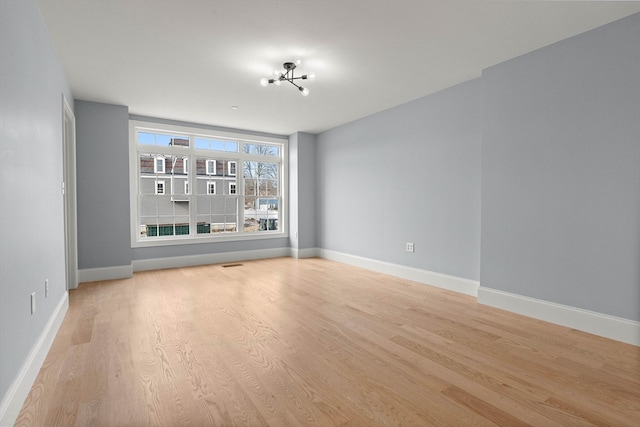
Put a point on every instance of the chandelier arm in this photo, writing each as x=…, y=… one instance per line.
x=291, y=81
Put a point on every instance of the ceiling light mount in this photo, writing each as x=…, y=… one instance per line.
x=287, y=74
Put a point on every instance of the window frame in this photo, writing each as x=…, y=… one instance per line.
x=191, y=154
x=160, y=182
x=211, y=171
x=211, y=185
x=156, y=169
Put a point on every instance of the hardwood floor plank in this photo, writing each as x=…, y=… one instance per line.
x=286, y=342
x=482, y=408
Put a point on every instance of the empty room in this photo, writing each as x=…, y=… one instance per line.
x=319, y=213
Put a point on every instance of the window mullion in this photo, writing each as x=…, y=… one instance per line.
x=193, y=200
x=240, y=192
x=176, y=183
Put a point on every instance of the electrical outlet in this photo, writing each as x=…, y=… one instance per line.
x=410, y=247
x=46, y=288
x=33, y=302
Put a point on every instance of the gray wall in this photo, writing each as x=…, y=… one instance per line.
x=32, y=83
x=561, y=172
x=103, y=192
x=102, y=152
x=408, y=174
x=294, y=170
x=302, y=185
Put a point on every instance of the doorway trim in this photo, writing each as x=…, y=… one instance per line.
x=69, y=194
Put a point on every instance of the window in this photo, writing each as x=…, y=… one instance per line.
x=211, y=188
x=162, y=139
x=159, y=186
x=236, y=195
x=211, y=167
x=158, y=164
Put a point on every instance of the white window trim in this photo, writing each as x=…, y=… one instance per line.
x=209, y=186
x=186, y=187
x=156, y=169
x=134, y=164
x=235, y=164
x=185, y=165
x=164, y=186
x=208, y=170
x=235, y=185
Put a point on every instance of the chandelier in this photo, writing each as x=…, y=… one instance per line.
x=287, y=75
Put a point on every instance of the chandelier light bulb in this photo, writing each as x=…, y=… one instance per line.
x=277, y=82
x=304, y=91
x=311, y=76
x=298, y=62
x=264, y=82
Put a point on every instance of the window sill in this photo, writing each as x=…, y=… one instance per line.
x=189, y=240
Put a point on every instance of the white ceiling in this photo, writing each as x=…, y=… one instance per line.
x=192, y=60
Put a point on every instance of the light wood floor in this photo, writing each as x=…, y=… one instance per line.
x=312, y=342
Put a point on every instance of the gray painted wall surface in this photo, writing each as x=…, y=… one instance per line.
x=208, y=248
x=408, y=174
x=32, y=82
x=561, y=172
x=102, y=152
x=307, y=191
x=302, y=184
x=294, y=171
x=103, y=192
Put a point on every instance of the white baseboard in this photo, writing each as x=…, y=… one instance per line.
x=204, y=259
x=17, y=393
x=612, y=327
x=439, y=280
x=105, y=273
x=305, y=253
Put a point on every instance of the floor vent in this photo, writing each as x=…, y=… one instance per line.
x=232, y=265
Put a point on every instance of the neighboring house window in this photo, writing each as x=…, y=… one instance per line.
x=158, y=165
x=211, y=167
x=211, y=188
x=234, y=186
x=160, y=186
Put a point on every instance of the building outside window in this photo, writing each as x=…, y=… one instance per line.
x=211, y=187
x=159, y=186
x=211, y=167
x=158, y=166
x=187, y=187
